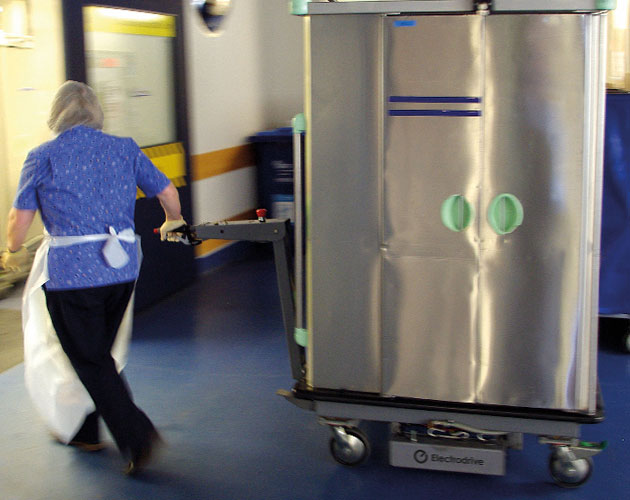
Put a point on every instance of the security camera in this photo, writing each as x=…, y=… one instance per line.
x=211, y=12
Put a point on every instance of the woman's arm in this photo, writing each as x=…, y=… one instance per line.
x=19, y=223
x=169, y=199
x=16, y=256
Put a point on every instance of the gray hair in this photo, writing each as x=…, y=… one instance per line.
x=75, y=104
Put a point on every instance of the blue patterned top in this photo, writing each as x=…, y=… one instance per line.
x=83, y=182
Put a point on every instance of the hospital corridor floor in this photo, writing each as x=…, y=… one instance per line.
x=205, y=365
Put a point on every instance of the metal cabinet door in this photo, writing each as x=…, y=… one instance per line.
x=536, y=282
x=343, y=262
x=432, y=73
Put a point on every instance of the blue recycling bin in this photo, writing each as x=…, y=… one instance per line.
x=614, y=287
x=273, y=150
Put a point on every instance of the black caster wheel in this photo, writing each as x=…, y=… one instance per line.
x=349, y=446
x=570, y=474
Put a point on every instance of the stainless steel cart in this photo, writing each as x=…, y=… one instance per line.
x=452, y=194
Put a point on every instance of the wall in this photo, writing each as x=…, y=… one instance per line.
x=28, y=81
x=246, y=80
x=618, y=66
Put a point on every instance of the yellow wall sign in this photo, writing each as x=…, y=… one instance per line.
x=131, y=22
x=169, y=159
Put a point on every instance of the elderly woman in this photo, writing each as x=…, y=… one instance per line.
x=84, y=182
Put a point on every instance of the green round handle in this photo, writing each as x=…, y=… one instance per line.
x=457, y=213
x=505, y=213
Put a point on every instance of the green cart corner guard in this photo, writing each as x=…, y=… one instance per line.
x=299, y=7
x=606, y=4
x=299, y=123
x=301, y=337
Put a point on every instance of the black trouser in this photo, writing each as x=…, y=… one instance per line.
x=86, y=322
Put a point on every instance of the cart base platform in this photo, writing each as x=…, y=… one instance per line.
x=457, y=437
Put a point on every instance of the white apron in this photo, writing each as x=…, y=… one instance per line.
x=51, y=382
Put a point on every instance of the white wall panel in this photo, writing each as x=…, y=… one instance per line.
x=223, y=196
x=247, y=79
x=29, y=79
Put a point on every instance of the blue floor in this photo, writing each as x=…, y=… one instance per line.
x=205, y=365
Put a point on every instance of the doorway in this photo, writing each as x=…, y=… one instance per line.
x=131, y=53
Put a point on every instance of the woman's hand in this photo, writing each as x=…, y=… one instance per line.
x=167, y=228
x=14, y=261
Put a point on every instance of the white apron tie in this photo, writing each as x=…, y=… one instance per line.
x=58, y=395
x=114, y=253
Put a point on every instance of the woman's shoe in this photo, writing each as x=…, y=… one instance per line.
x=89, y=447
x=140, y=459
x=82, y=445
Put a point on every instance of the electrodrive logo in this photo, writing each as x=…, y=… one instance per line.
x=422, y=457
